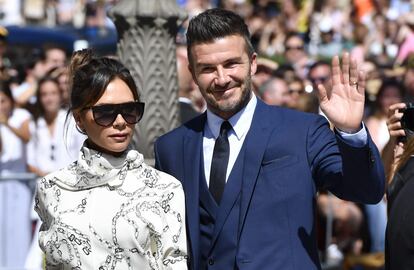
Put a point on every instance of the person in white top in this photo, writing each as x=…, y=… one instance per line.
x=108, y=209
x=49, y=149
x=15, y=196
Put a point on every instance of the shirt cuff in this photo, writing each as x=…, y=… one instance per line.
x=358, y=139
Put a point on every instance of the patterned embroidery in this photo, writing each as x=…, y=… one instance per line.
x=103, y=212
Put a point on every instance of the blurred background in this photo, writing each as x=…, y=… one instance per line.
x=295, y=41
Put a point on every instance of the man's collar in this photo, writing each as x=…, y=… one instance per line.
x=240, y=121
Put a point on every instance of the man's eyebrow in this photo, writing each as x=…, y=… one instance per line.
x=233, y=59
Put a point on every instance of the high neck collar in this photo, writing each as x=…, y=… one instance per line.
x=94, y=168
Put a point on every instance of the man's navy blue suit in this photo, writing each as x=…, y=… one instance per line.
x=266, y=216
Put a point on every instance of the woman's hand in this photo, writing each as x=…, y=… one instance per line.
x=394, y=120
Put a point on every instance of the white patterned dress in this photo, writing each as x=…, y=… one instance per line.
x=103, y=213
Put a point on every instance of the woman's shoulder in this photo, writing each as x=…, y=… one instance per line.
x=163, y=180
x=19, y=116
x=54, y=178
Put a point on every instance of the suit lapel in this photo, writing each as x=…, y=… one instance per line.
x=256, y=142
x=192, y=158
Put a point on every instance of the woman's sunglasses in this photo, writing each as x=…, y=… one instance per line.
x=104, y=115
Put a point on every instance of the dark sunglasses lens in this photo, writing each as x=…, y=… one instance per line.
x=104, y=115
x=129, y=112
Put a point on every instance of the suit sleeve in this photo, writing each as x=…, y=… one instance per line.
x=351, y=173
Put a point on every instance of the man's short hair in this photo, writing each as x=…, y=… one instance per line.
x=216, y=23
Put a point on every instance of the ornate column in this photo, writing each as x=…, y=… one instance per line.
x=146, y=45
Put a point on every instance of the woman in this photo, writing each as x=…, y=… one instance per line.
x=15, y=196
x=109, y=210
x=390, y=92
x=399, y=242
x=48, y=149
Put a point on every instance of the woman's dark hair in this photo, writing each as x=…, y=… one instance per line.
x=5, y=88
x=39, y=110
x=89, y=75
x=216, y=23
x=406, y=155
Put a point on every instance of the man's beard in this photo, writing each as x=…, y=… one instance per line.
x=232, y=109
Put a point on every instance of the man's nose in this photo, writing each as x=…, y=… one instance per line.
x=222, y=78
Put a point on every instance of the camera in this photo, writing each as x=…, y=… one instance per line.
x=407, y=120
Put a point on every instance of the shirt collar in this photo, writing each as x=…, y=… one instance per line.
x=240, y=121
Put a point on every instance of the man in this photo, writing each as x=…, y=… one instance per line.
x=275, y=91
x=185, y=87
x=320, y=73
x=295, y=54
x=259, y=213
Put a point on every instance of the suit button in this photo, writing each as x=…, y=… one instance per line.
x=371, y=157
x=210, y=261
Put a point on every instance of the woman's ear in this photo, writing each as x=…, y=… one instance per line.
x=79, y=122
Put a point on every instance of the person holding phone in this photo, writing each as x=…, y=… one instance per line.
x=108, y=209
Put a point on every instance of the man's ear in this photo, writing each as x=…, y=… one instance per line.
x=253, y=64
x=190, y=68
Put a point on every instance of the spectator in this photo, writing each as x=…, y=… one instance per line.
x=296, y=90
x=48, y=149
x=295, y=54
x=265, y=69
x=275, y=92
x=15, y=196
x=390, y=92
x=55, y=56
x=25, y=93
x=320, y=73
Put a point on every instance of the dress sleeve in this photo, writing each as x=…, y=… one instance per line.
x=173, y=239
x=42, y=204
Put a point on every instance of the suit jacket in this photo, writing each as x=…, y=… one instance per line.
x=287, y=156
x=187, y=112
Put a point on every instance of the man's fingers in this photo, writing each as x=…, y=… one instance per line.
x=353, y=73
x=322, y=93
x=345, y=68
x=336, y=71
x=361, y=82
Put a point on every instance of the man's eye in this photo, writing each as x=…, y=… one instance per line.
x=207, y=69
x=231, y=64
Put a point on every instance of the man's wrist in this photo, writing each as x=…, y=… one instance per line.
x=350, y=131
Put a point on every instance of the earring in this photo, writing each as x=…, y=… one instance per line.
x=80, y=130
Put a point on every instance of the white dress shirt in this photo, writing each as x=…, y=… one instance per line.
x=241, y=123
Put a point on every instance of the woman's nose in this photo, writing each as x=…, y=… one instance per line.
x=119, y=121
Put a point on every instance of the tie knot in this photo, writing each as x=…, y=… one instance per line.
x=225, y=127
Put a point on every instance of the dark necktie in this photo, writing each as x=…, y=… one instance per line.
x=219, y=162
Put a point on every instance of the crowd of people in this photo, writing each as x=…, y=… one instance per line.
x=295, y=42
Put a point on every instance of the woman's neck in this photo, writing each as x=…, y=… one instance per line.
x=98, y=148
x=50, y=117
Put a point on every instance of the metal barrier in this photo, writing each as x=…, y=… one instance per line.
x=18, y=176
x=29, y=180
